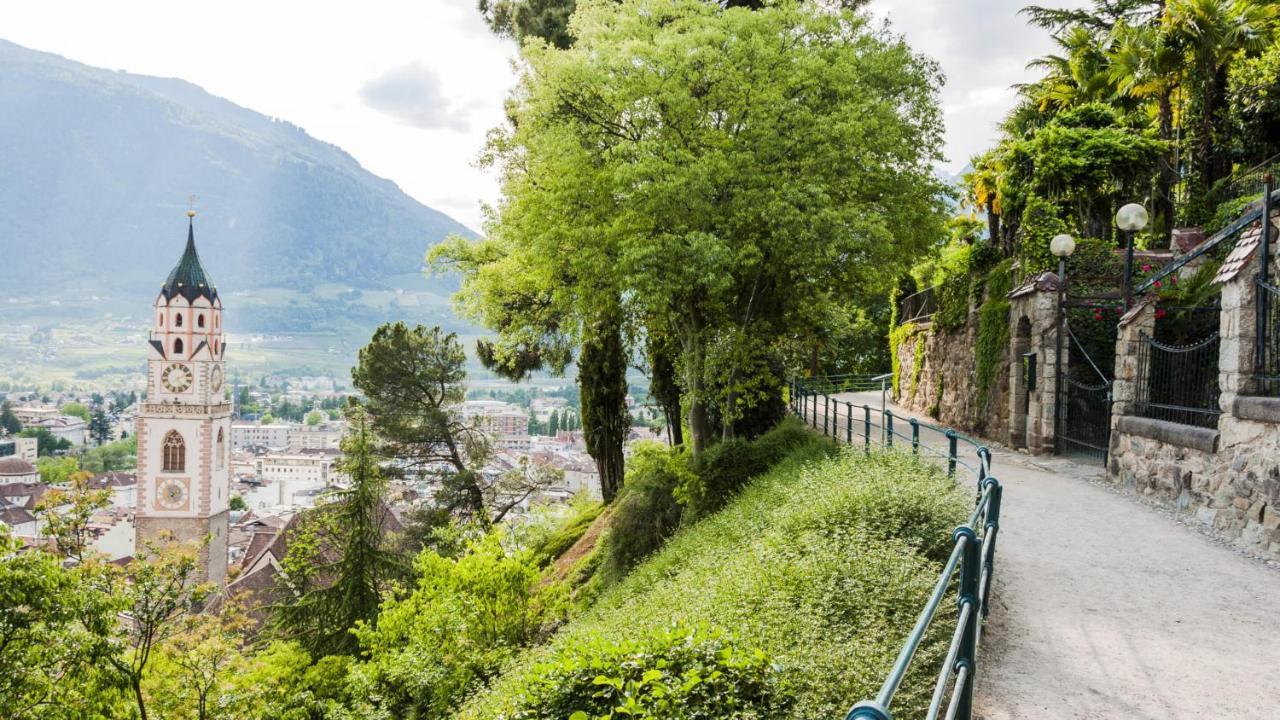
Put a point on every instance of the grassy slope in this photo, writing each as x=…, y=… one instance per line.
x=821, y=563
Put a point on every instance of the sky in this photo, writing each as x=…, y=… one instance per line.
x=410, y=87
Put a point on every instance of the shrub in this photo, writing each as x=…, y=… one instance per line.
x=823, y=564
x=464, y=619
x=646, y=511
x=721, y=471
x=683, y=672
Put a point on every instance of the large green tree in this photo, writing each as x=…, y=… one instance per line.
x=723, y=174
x=341, y=561
x=413, y=379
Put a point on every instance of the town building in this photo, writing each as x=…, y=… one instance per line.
x=24, y=448
x=68, y=427
x=184, y=427
x=250, y=435
x=325, y=436
x=30, y=415
x=15, y=470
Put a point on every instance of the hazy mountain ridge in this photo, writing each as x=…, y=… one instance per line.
x=95, y=166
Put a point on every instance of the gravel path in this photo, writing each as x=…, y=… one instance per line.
x=1108, y=607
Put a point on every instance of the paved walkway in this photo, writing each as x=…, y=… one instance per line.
x=1106, y=607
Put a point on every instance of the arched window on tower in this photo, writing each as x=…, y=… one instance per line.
x=177, y=320
x=160, y=320
x=220, y=450
x=200, y=320
x=175, y=452
x=177, y=346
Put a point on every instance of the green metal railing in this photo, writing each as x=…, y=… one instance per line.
x=972, y=556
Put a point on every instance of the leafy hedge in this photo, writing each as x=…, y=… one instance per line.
x=682, y=672
x=822, y=563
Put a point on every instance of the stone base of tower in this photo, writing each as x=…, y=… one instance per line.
x=213, y=556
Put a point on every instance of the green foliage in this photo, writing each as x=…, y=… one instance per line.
x=1041, y=220
x=56, y=470
x=237, y=503
x=899, y=336
x=1230, y=211
x=647, y=512
x=719, y=473
x=917, y=364
x=46, y=442
x=314, y=418
x=413, y=378
x=75, y=409
x=57, y=628
x=465, y=618
x=112, y=457
x=551, y=545
x=681, y=672
x=822, y=563
x=993, y=331
x=647, y=165
x=340, y=561
x=602, y=372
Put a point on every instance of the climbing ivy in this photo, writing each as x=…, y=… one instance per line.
x=993, y=330
x=898, y=336
x=917, y=364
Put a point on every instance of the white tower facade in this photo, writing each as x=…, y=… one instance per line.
x=184, y=426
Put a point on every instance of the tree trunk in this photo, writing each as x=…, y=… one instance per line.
x=602, y=378
x=136, y=684
x=665, y=388
x=699, y=422
x=993, y=229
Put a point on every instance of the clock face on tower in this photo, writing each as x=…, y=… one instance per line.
x=215, y=378
x=176, y=378
x=172, y=495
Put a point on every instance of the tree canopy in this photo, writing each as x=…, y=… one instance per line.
x=722, y=175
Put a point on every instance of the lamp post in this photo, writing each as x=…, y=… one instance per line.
x=1061, y=246
x=1131, y=218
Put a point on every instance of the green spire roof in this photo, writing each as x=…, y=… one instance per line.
x=188, y=277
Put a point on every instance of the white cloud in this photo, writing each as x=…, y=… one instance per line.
x=413, y=95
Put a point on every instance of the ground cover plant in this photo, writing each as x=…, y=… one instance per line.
x=817, y=570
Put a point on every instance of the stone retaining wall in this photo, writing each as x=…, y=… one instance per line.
x=1227, y=477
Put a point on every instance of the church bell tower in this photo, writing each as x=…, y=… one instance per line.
x=184, y=425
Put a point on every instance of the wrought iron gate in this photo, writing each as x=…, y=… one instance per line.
x=1083, y=422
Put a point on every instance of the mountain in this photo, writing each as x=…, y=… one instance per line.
x=95, y=169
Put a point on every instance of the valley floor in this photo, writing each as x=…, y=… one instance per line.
x=1106, y=607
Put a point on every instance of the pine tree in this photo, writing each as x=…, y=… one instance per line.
x=340, y=563
x=554, y=424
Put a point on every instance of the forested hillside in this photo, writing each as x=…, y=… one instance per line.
x=96, y=166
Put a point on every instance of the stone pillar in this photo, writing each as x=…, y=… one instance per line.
x=1140, y=319
x=1238, y=330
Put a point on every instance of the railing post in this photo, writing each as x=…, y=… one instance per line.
x=915, y=436
x=866, y=425
x=1264, y=276
x=888, y=429
x=990, y=534
x=826, y=413
x=951, y=453
x=849, y=423
x=970, y=566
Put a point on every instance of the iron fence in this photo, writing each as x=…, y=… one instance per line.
x=1178, y=383
x=1268, y=350
x=969, y=569
x=918, y=306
